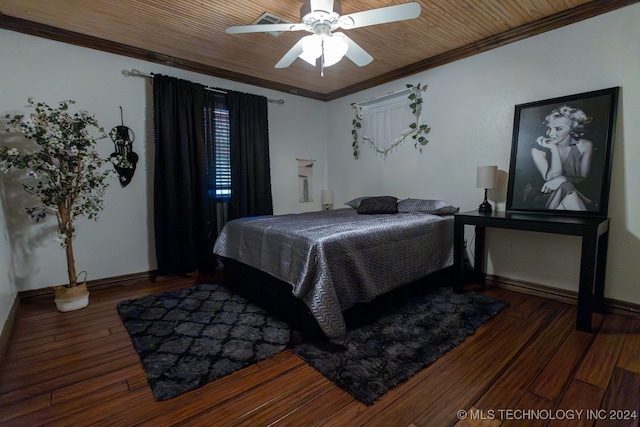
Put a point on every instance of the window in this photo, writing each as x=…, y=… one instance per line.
x=218, y=151
x=222, y=154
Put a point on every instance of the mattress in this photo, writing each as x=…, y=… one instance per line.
x=334, y=259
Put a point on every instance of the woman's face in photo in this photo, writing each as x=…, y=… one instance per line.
x=558, y=129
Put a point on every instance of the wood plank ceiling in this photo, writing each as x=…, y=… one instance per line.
x=190, y=34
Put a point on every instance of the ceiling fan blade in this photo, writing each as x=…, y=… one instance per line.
x=291, y=55
x=264, y=28
x=382, y=15
x=355, y=53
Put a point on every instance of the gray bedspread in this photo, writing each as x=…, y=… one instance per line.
x=334, y=259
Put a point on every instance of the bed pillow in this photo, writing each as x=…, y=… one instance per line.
x=436, y=207
x=378, y=205
x=355, y=203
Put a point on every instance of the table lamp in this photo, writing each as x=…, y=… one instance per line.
x=486, y=177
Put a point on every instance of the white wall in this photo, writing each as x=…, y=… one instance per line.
x=470, y=106
x=121, y=242
x=7, y=290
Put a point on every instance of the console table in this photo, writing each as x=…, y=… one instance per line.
x=593, y=230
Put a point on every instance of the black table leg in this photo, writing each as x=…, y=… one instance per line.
x=601, y=264
x=587, y=280
x=458, y=255
x=478, y=256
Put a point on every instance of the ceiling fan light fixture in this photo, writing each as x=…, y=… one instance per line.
x=334, y=48
x=311, y=49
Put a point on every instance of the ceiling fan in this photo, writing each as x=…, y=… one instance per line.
x=321, y=18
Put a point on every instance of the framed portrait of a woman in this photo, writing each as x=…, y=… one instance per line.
x=561, y=154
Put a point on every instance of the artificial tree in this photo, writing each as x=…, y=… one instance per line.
x=66, y=173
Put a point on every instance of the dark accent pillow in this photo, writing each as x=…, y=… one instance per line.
x=355, y=203
x=378, y=205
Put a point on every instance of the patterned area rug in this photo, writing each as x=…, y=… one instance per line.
x=378, y=356
x=190, y=337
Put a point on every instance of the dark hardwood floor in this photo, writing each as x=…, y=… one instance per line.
x=526, y=366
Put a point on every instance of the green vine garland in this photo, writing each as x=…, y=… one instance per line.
x=418, y=131
x=354, y=132
x=416, y=107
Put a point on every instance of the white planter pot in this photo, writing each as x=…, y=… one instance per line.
x=70, y=299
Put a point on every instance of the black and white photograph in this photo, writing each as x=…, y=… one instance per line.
x=561, y=154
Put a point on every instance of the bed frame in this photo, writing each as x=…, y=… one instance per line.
x=275, y=296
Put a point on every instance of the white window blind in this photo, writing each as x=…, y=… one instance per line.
x=222, y=153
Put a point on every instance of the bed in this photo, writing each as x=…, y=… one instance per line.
x=334, y=259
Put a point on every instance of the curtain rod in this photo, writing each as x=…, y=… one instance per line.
x=382, y=98
x=136, y=73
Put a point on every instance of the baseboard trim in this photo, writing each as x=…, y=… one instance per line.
x=7, y=329
x=571, y=297
x=611, y=305
x=92, y=285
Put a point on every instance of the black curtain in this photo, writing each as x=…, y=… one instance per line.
x=187, y=212
x=250, y=167
x=182, y=213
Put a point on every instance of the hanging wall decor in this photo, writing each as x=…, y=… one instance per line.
x=387, y=121
x=123, y=159
x=305, y=180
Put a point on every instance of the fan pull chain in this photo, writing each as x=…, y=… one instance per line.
x=322, y=58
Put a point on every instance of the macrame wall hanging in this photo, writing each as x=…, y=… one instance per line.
x=123, y=159
x=387, y=121
x=305, y=180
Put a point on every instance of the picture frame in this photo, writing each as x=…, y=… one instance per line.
x=562, y=153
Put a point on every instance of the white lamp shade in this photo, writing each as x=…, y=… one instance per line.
x=487, y=177
x=326, y=197
x=335, y=47
x=332, y=46
x=311, y=49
